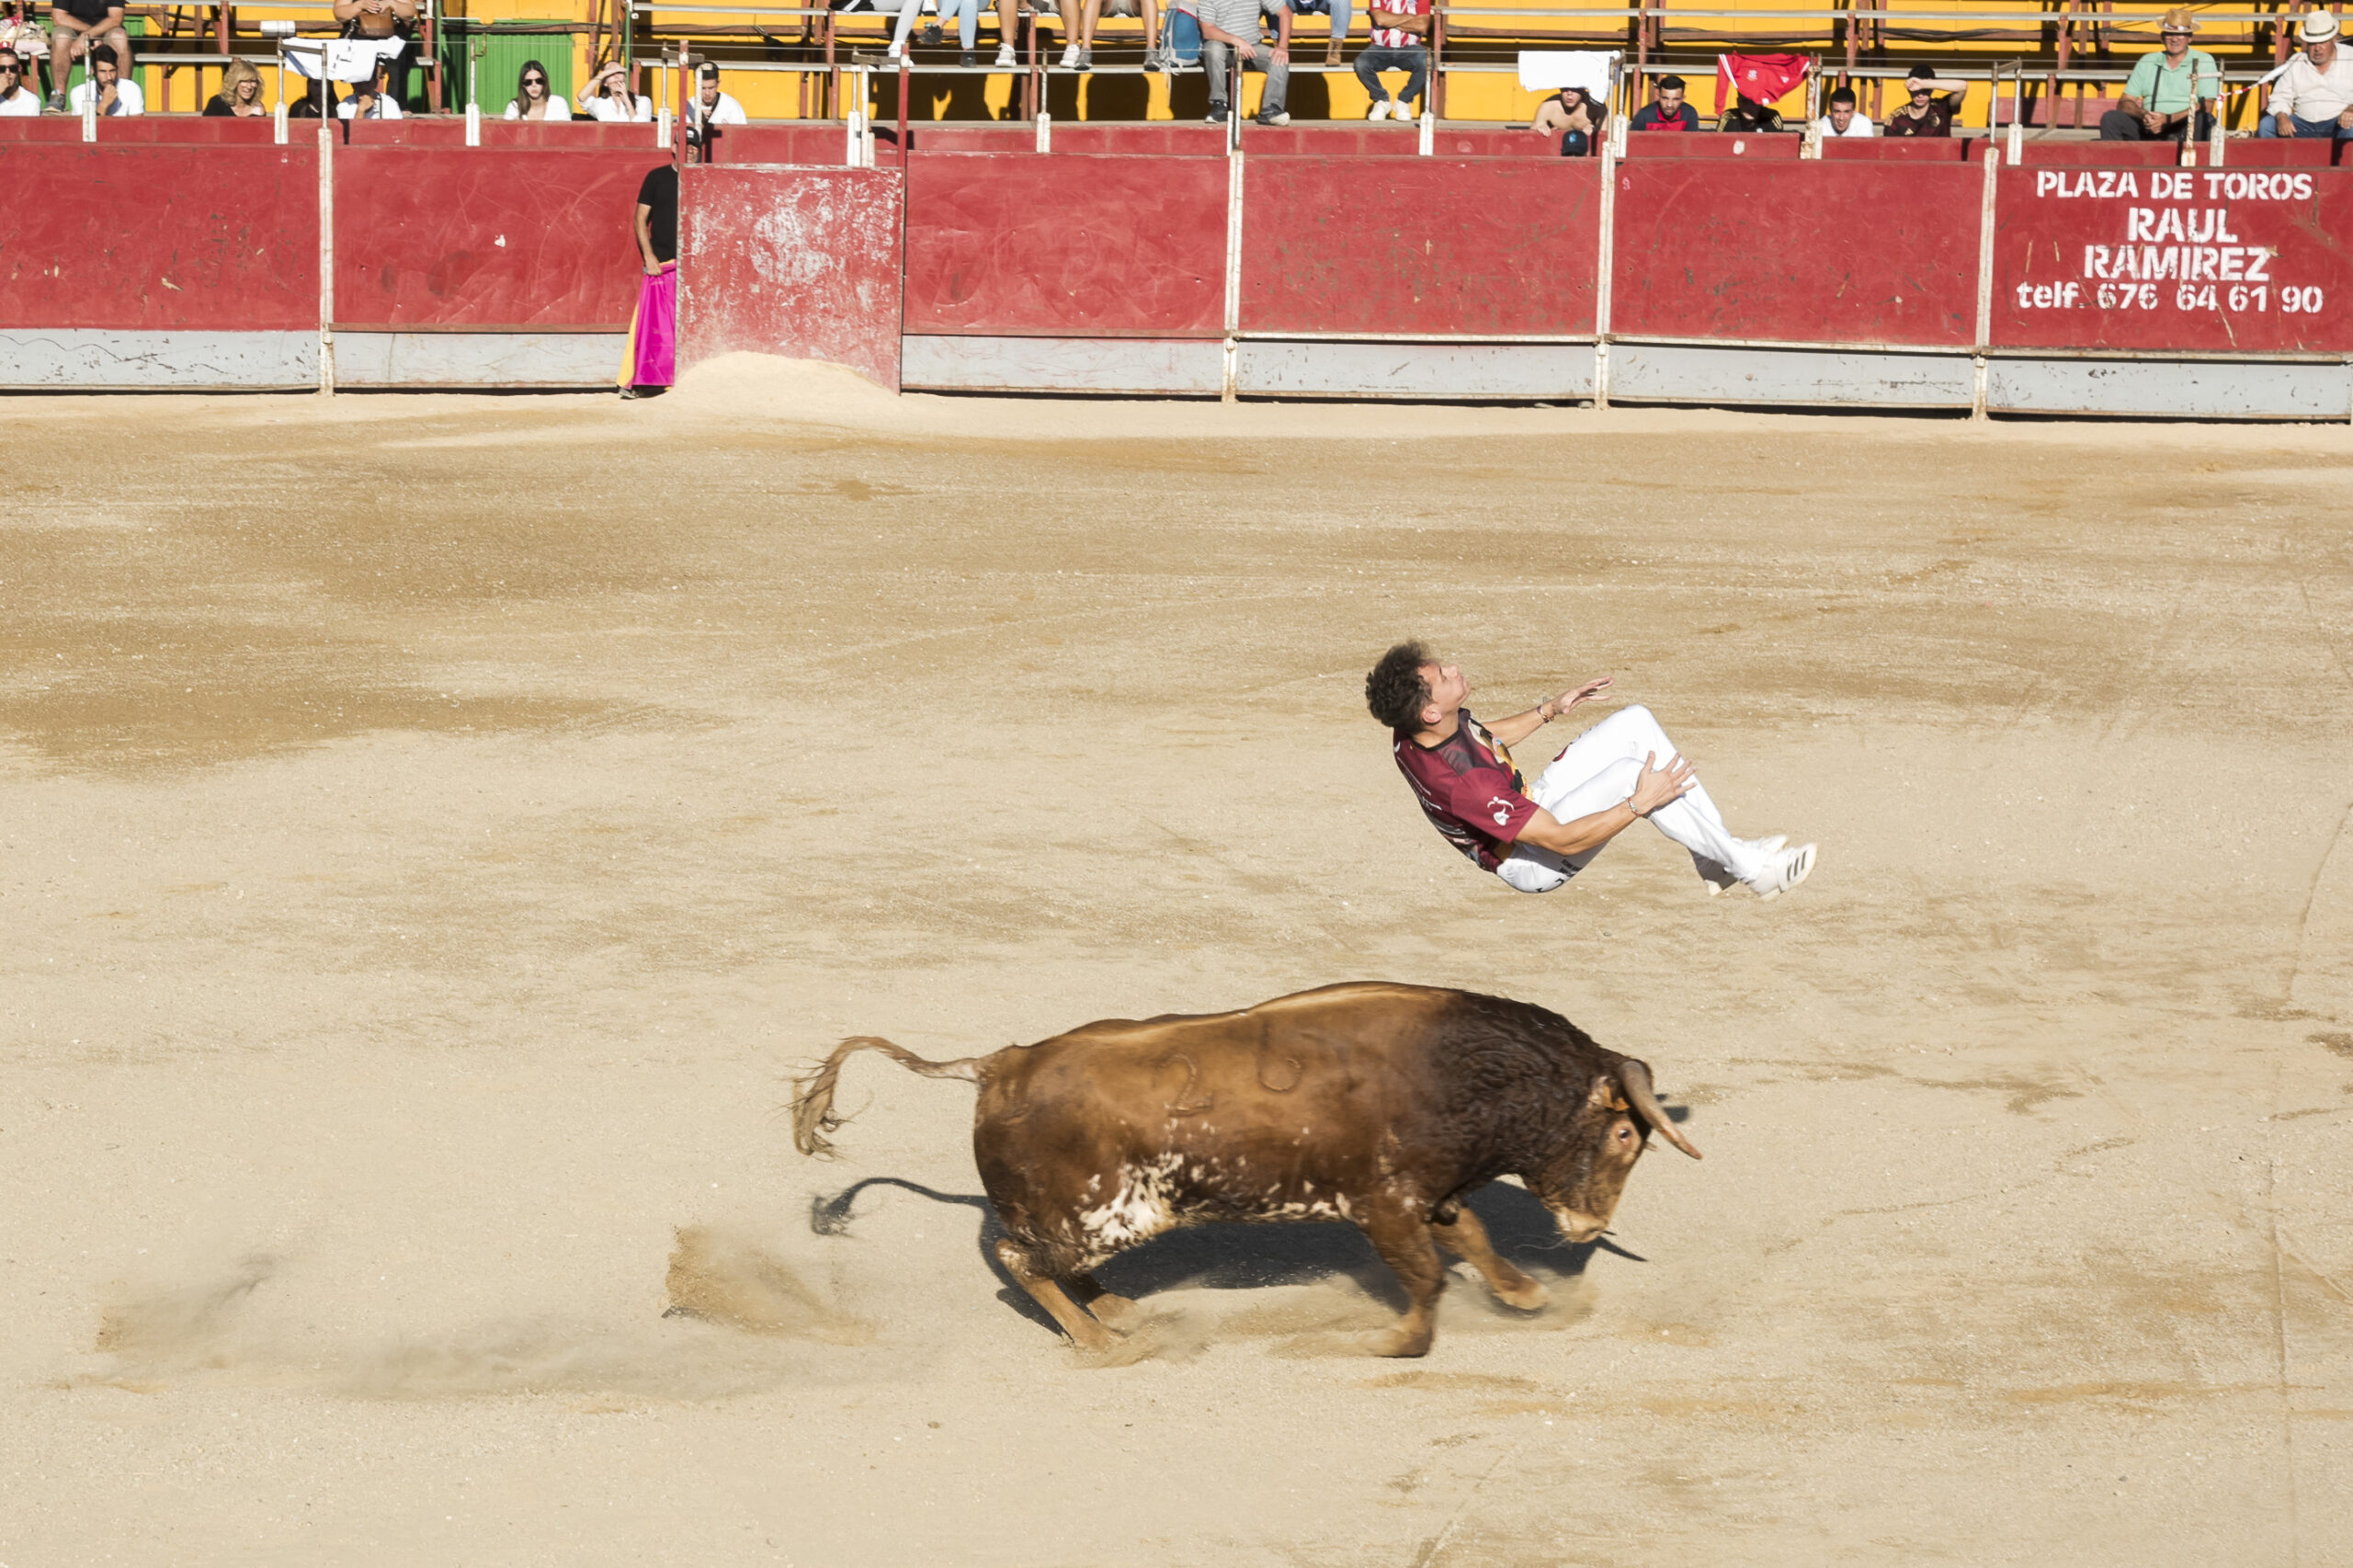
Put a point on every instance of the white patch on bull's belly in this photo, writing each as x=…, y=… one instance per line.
x=1139, y=1210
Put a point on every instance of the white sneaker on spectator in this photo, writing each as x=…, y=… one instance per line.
x=1786, y=870
x=1005, y=61
x=1380, y=110
x=1070, y=57
x=1272, y=117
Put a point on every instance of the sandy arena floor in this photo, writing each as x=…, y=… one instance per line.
x=434, y=827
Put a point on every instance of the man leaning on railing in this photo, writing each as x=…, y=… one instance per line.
x=2315, y=94
x=2163, y=94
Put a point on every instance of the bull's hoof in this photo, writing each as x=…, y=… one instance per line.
x=1523, y=1293
x=1402, y=1342
x=1094, y=1336
x=1112, y=1309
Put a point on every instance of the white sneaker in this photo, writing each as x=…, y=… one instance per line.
x=1788, y=868
x=1720, y=878
x=1070, y=57
x=1380, y=110
x=1005, y=61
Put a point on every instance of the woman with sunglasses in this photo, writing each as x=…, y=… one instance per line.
x=533, y=99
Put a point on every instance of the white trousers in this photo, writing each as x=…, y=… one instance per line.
x=1597, y=772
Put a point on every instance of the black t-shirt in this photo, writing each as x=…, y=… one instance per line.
x=659, y=193
x=218, y=107
x=88, y=10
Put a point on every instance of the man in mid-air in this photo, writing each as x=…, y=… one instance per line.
x=1617, y=773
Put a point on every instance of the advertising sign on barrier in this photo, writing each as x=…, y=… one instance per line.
x=2216, y=261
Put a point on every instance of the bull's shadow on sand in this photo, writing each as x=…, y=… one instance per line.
x=1235, y=1257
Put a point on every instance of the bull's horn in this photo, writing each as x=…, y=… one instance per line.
x=1636, y=1077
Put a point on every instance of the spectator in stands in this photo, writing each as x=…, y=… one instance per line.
x=1577, y=118
x=76, y=27
x=1748, y=115
x=1343, y=14
x=1095, y=10
x=376, y=18
x=711, y=104
x=534, y=98
x=1398, y=29
x=1842, y=118
x=1009, y=21
x=21, y=36
x=372, y=98
x=15, y=98
x=1929, y=109
x=650, y=357
x=1238, y=26
x=115, y=95
x=610, y=100
x=2314, y=94
x=1666, y=110
x=240, y=93
x=2162, y=96
x=967, y=14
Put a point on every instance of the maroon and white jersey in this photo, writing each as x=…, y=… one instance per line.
x=1398, y=38
x=1469, y=788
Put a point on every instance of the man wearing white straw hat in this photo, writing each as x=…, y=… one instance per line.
x=2313, y=95
x=2168, y=90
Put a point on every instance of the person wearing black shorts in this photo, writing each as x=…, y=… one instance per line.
x=76, y=27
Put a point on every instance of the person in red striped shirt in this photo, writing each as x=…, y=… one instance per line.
x=1399, y=28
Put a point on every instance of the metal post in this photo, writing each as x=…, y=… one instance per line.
x=1232, y=266
x=903, y=104
x=1601, y=275
x=1984, y=285
x=326, y=249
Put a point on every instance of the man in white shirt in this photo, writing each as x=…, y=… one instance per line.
x=712, y=105
x=115, y=94
x=1842, y=120
x=15, y=98
x=2314, y=94
x=368, y=100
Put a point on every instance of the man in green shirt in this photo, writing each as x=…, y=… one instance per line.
x=2168, y=91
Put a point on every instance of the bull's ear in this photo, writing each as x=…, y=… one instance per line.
x=1607, y=1094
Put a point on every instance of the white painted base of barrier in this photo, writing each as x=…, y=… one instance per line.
x=2188, y=389
x=1808, y=378
x=93, y=360
x=1134, y=367
x=1423, y=372
x=476, y=359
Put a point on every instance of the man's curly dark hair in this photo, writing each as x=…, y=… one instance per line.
x=1395, y=690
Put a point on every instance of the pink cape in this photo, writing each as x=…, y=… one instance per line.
x=650, y=357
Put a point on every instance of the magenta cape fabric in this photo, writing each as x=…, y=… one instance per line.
x=651, y=358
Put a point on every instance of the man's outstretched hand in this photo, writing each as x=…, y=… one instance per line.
x=1584, y=693
x=1661, y=786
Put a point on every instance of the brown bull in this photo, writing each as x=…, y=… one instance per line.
x=1381, y=1105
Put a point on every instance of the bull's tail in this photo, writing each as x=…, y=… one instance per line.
x=813, y=1097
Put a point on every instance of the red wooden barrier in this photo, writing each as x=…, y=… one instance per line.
x=798, y=262
x=1772, y=146
x=427, y=237
x=2248, y=261
x=1901, y=149
x=1489, y=247
x=2099, y=155
x=1080, y=246
x=160, y=238
x=497, y=135
x=808, y=143
x=1803, y=253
